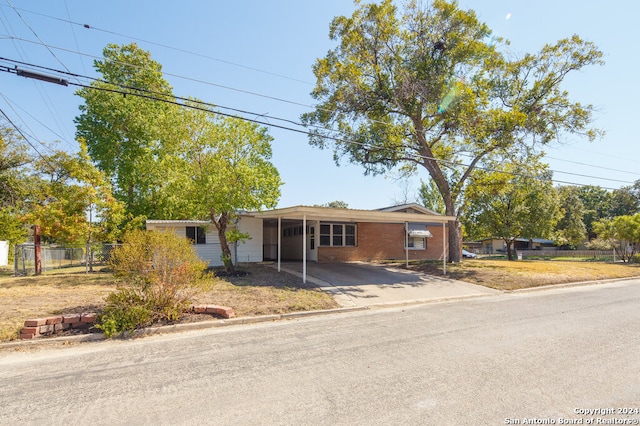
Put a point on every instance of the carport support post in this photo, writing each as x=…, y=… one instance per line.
x=444, y=248
x=406, y=244
x=304, y=248
x=279, y=240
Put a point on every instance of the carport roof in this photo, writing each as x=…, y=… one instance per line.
x=348, y=215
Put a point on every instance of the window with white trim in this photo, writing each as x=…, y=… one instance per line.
x=416, y=243
x=337, y=234
x=196, y=234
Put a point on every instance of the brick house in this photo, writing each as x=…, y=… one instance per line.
x=322, y=234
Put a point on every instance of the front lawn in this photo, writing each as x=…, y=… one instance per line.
x=263, y=291
x=513, y=275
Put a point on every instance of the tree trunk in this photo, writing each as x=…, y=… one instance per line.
x=221, y=225
x=455, y=241
x=509, y=254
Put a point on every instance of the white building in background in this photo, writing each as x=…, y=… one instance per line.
x=4, y=253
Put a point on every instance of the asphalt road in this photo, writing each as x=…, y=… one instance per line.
x=507, y=359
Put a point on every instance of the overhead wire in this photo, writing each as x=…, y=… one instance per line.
x=276, y=99
x=188, y=103
x=90, y=27
x=75, y=39
x=12, y=103
x=46, y=100
x=177, y=49
x=26, y=139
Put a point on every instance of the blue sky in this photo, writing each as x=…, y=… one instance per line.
x=257, y=56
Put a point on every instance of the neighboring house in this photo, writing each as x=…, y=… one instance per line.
x=322, y=234
x=493, y=246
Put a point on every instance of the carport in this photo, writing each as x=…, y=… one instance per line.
x=311, y=235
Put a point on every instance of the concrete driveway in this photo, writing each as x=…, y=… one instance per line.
x=357, y=284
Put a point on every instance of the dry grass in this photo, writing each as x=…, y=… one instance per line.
x=512, y=275
x=49, y=294
x=265, y=291
x=262, y=291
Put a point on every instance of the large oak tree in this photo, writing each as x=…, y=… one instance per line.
x=427, y=87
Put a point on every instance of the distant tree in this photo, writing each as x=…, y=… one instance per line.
x=129, y=137
x=430, y=197
x=425, y=86
x=514, y=202
x=570, y=230
x=596, y=202
x=625, y=201
x=622, y=232
x=335, y=205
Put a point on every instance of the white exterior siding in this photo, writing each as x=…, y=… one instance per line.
x=211, y=252
x=250, y=250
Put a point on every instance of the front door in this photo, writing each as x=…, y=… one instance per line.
x=312, y=242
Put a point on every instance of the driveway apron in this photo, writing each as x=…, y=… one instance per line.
x=359, y=284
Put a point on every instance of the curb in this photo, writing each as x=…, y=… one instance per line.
x=175, y=328
x=569, y=285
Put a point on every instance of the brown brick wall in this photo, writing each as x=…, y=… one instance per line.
x=381, y=241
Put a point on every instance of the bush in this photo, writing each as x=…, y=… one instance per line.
x=158, y=274
x=125, y=311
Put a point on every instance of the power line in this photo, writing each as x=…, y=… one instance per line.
x=36, y=35
x=177, y=49
x=188, y=103
x=592, y=165
x=11, y=104
x=26, y=139
x=263, y=96
x=194, y=80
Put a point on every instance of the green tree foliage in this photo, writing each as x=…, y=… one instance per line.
x=571, y=230
x=72, y=201
x=516, y=202
x=622, y=232
x=158, y=275
x=15, y=186
x=337, y=204
x=14, y=159
x=597, y=204
x=625, y=201
x=224, y=169
x=129, y=137
x=426, y=86
x=430, y=197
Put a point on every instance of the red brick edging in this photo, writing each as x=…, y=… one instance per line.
x=37, y=327
x=45, y=326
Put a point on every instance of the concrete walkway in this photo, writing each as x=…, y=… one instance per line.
x=358, y=284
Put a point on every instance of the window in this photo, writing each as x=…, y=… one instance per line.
x=325, y=235
x=337, y=234
x=196, y=234
x=417, y=243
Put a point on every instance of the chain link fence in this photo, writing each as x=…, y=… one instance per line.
x=58, y=257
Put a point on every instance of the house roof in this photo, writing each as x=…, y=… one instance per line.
x=350, y=215
x=178, y=222
x=411, y=206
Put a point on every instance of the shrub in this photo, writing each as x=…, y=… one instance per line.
x=125, y=311
x=158, y=274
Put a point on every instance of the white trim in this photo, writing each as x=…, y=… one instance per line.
x=420, y=233
x=304, y=249
x=279, y=242
x=349, y=215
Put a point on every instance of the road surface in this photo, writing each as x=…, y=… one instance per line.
x=548, y=356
